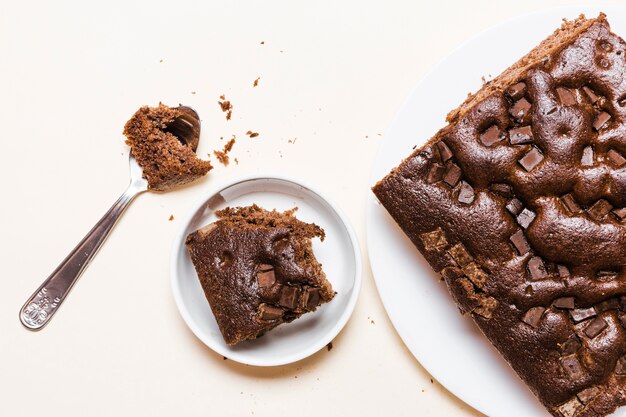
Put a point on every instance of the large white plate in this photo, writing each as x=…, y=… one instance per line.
x=339, y=254
x=447, y=344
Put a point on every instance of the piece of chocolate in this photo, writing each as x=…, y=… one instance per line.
x=265, y=276
x=595, y=327
x=571, y=345
x=606, y=275
x=466, y=193
x=616, y=158
x=519, y=241
x=571, y=408
x=503, y=190
x=620, y=213
x=601, y=120
x=587, y=158
x=475, y=274
x=460, y=254
x=537, y=268
x=570, y=203
x=453, y=174
x=444, y=152
x=566, y=97
x=600, y=209
x=311, y=298
x=514, y=206
x=566, y=303
x=606, y=305
x=525, y=218
x=520, y=108
x=590, y=94
x=289, y=297
x=531, y=159
x=491, y=136
x=620, y=367
x=521, y=135
x=563, y=271
x=533, y=316
x=586, y=395
x=436, y=173
x=516, y=91
x=581, y=314
x=572, y=367
x=269, y=312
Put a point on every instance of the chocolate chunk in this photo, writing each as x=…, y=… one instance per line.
x=590, y=94
x=491, y=136
x=514, y=206
x=587, y=158
x=572, y=367
x=533, y=316
x=521, y=135
x=620, y=213
x=311, y=298
x=444, y=152
x=570, y=203
x=566, y=303
x=434, y=240
x=525, y=218
x=460, y=254
x=563, y=271
x=601, y=120
x=531, y=159
x=516, y=91
x=620, y=367
x=519, y=241
x=435, y=173
x=475, y=274
x=570, y=408
x=503, y=190
x=595, y=327
x=269, y=312
x=265, y=276
x=520, y=108
x=537, y=268
x=571, y=345
x=606, y=305
x=588, y=394
x=581, y=314
x=466, y=193
x=606, y=275
x=566, y=96
x=453, y=175
x=616, y=158
x=600, y=209
x=289, y=297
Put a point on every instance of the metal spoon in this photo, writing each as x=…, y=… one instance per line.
x=44, y=303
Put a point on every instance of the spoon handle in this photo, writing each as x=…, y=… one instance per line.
x=42, y=305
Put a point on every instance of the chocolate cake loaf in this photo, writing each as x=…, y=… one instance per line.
x=164, y=140
x=520, y=203
x=258, y=270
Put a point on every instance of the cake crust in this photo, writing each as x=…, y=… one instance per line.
x=519, y=202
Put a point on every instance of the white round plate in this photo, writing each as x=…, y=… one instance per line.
x=339, y=254
x=447, y=344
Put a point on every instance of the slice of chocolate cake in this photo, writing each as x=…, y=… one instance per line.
x=258, y=270
x=520, y=203
x=163, y=140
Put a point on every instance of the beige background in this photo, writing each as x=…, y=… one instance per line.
x=332, y=74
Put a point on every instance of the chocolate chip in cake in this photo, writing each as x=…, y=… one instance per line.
x=606, y=275
x=600, y=209
x=311, y=298
x=460, y=254
x=453, y=175
x=525, y=218
x=572, y=367
x=571, y=345
x=531, y=159
x=620, y=367
x=269, y=312
x=587, y=158
x=514, y=206
x=565, y=303
x=590, y=94
x=475, y=274
x=492, y=135
x=586, y=395
x=600, y=120
x=563, y=271
x=620, y=213
x=265, y=276
x=595, y=327
x=289, y=297
x=521, y=135
x=570, y=203
x=434, y=240
x=566, y=96
x=581, y=314
x=501, y=189
x=607, y=305
x=444, y=152
x=466, y=193
x=520, y=108
x=616, y=158
x=435, y=173
x=533, y=316
x=516, y=91
x=537, y=268
x=570, y=408
x=519, y=241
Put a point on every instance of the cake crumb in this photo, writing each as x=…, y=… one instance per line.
x=225, y=358
x=222, y=155
x=193, y=92
x=171, y=217
x=262, y=42
x=256, y=82
x=431, y=381
x=252, y=134
x=236, y=161
x=160, y=61
x=329, y=346
x=292, y=141
x=226, y=106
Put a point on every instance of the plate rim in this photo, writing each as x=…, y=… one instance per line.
x=341, y=320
